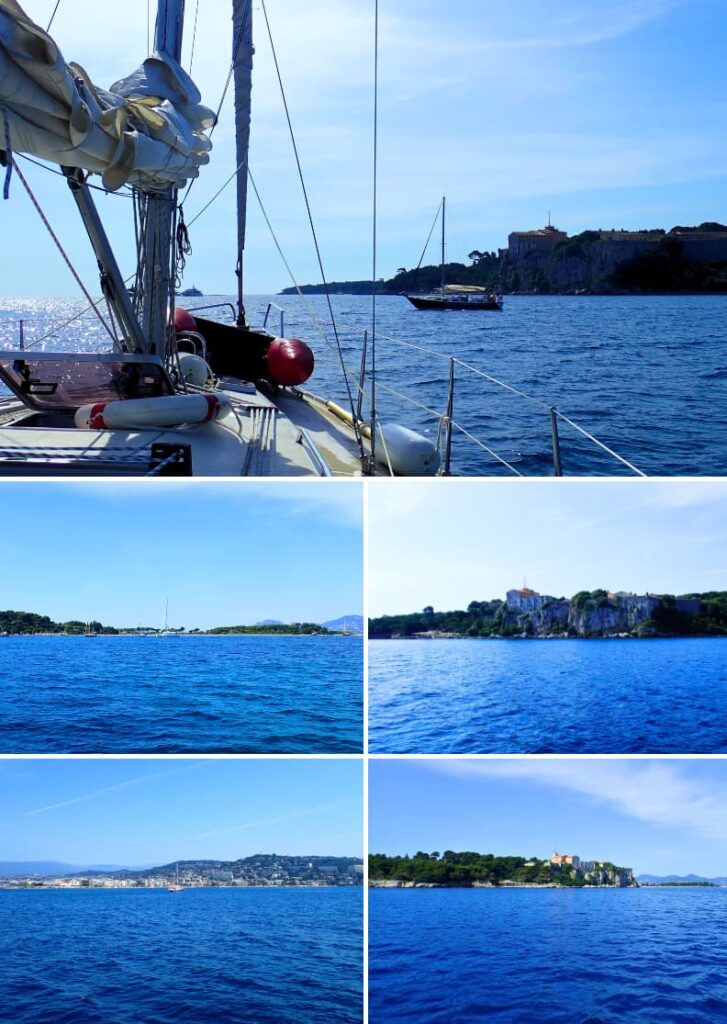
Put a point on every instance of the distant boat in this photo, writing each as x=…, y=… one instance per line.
x=89, y=631
x=193, y=292
x=175, y=886
x=166, y=631
x=455, y=296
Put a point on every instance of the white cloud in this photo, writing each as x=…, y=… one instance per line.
x=659, y=792
x=520, y=60
x=108, y=790
x=267, y=822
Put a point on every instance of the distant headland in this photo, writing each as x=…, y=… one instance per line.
x=588, y=614
x=485, y=871
x=546, y=261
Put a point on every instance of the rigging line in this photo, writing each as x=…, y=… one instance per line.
x=98, y=188
x=236, y=47
x=373, y=237
x=356, y=427
x=306, y=305
x=484, y=447
x=219, y=192
x=58, y=4
x=72, y=319
x=508, y=387
x=309, y=309
x=63, y=253
x=429, y=236
x=194, y=37
x=600, y=444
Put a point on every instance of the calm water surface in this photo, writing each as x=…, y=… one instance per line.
x=551, y=956
x=646, y=375
x=223, y=956
x=228, y=694
x=540, y=696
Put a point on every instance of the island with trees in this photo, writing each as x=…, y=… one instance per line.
x=546, y=261
x=484, y=870
x=588, y=614
x=18, y=623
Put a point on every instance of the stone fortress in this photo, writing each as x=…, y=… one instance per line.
x=547, y=259
x=594, y=872
x=601, y=613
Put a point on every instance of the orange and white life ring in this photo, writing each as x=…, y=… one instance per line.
x=138, y=413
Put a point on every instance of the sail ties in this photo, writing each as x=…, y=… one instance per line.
x=6, y=154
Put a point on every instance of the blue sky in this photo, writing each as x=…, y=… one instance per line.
x=604, y=113
x=223, y=554
x=136, y=812
x=666, y=816
x=475, y=540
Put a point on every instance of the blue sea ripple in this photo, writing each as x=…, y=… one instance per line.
x=547, y=956
x=203, y=956
x=616, y=696
x=208, y=694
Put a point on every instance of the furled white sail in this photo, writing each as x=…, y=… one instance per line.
x=149, y=130
x=242, y=53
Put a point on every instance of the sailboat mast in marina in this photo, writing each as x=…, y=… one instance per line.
x=174, y=393
x=166, y=631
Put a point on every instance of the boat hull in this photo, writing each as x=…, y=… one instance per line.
x=425, y=302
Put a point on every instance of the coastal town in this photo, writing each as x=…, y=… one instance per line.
x=260, y=870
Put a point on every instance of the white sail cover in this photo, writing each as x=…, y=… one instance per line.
x=242, y=54
x=147, y=131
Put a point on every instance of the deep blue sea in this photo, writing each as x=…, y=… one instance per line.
x=548, y=696
x=216, y=694
x=547, y=956
x=646, y=375
x=203, y=956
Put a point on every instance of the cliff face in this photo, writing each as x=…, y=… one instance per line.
x=592, y=261
x=588, y=617
x=620, y=878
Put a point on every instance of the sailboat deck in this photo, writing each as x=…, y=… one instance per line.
x=255, y=441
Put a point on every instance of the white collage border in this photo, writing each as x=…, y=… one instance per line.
x=365, y=485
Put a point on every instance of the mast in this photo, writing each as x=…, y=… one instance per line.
x=112, y=282
x=242, y=52
x=441, y=265
x=158, y=277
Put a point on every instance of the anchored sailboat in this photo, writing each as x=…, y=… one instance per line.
x=455, y=296
x=166, y=631
x=176, y=886
x=172, y=396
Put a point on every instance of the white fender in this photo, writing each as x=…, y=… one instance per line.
x=409, y=453
x=138, y=413
x=195, y=370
